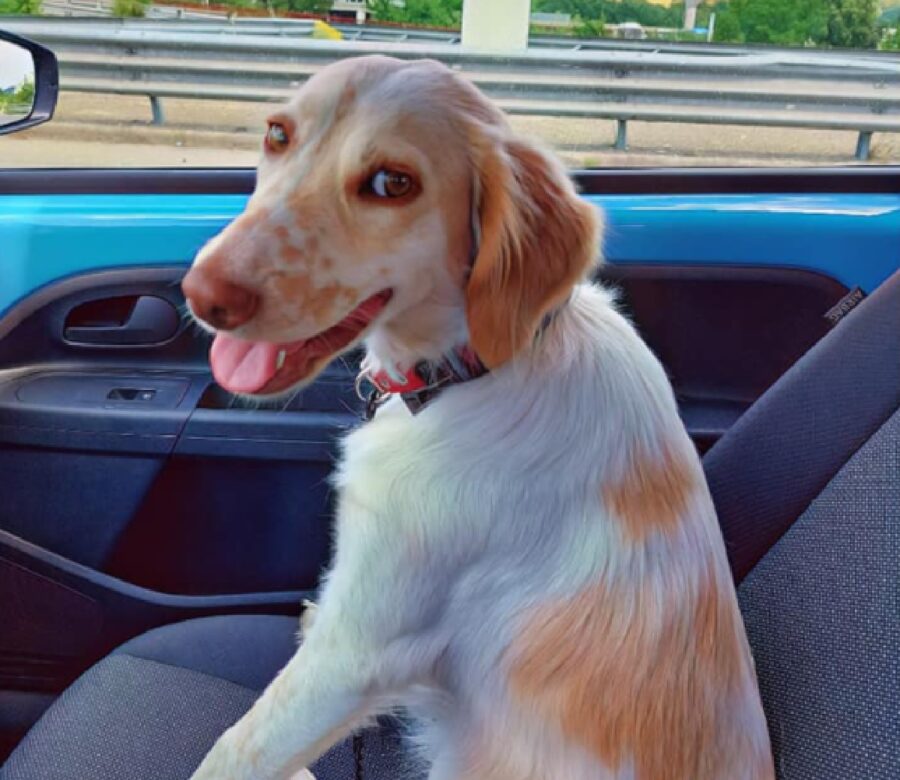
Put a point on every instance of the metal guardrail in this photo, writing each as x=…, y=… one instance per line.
x=200, y=60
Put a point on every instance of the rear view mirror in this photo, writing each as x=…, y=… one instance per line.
x=29, y=83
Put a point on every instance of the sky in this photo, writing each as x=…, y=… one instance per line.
x=15, y=65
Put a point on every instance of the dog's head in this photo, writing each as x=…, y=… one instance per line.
x=392, y=203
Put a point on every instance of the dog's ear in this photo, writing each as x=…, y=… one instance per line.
x=538, y=239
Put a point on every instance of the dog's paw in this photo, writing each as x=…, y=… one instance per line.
x=307, y=617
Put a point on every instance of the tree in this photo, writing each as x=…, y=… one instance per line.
x=591, y=28
x=783, y=22
x=440, y=13
x=891, y=40
x=309, y=6
x=19, y=100
x=24, y=95
x=853, y=23
x=578, y=9
x=380, y=10
x=15, y=7
x=800, y=22
x=616, y=11
x=728, y=27
x=135, y=8
x=434, y=13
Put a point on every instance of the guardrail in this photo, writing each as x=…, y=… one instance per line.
x=837, y=92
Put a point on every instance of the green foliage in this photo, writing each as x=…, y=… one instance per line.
x=380, y=10
x=25, y=7
x=24, y=94
x=130, y=7
x=891, y=41
x=431, y=13
x=848, y=23
x=615, y=11
x=728, y=27
x=309, y=6
x=319, y=7
x=852, y=23
x=590, y=28
x=18, y=101
x=783, y=22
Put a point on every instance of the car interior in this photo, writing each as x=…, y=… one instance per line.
x=158, y=536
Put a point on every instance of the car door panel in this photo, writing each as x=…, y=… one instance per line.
x=88, y=416
x=724, y=333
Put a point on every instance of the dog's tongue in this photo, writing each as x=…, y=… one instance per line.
x=242, y=366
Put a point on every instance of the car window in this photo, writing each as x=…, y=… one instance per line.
x=605, y=82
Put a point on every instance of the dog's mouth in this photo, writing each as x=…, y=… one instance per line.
x=267, y=368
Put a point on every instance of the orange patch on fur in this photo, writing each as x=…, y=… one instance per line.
x=653, y=495
x=321, y=303
x=345, y=102
x=637, y=674
x=538, y=241
x=290, y=254
x=295, y=287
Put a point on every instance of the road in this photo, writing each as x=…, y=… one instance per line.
x=104, y=130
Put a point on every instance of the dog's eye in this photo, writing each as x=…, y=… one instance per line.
x=390, y=184
x=277, y=138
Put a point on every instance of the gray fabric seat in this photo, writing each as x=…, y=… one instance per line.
x=807, y=486
x=154, y=707
x=822, y=611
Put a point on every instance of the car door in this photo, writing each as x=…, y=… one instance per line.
x=134, y=492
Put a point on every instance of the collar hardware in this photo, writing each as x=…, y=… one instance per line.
x=423, y=382
x=426, y=380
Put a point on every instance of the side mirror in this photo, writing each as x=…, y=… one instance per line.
x=29, y=83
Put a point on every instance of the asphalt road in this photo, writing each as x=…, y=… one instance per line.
x=114, y=131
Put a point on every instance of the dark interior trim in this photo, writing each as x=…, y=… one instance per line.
x=782, y=453
x=883, y=179
x=125, y=610
x=80, y=577
x=597, y=181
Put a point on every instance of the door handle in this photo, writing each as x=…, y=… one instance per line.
x=150, y=320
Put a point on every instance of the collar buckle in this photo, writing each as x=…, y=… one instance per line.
x=375, y=399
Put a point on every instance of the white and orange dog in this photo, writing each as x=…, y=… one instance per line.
x=527, y=554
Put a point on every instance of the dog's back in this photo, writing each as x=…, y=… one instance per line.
x=590, y=627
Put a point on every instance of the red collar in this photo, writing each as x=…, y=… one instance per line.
x=425, y=380
x=412, y=381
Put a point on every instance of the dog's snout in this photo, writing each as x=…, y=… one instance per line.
x=217, y=301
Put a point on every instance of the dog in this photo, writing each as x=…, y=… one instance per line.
x=527, y=555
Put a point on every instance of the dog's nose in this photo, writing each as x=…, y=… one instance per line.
x=219, y=302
